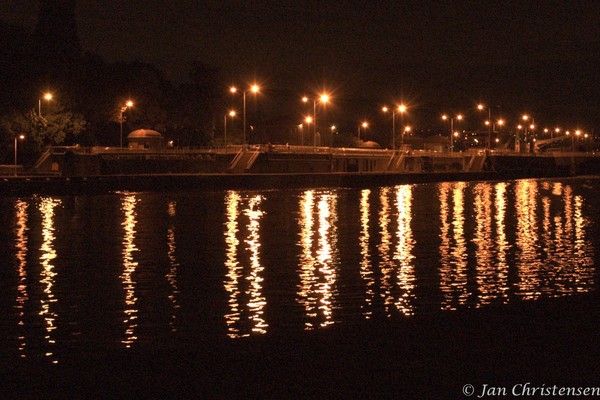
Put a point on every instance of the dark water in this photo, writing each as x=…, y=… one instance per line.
x=119, y=270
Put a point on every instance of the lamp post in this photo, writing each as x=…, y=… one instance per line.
x=402, y=109
x=525, y=118
x=231, y=114
x=445, y=118
x=47, y=96
x=405, y=131
x=124, y=108
x=364, y=125
x=254, y=89
x=323, y=99
x=489, y=123
x=385, y=109
x=21, y=136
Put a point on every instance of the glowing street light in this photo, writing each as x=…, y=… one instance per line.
x=21, y=137
x=47, y=96
x=482, y=107
x=364, y=125
x=453, y=134
x=254, y=89
x=401, y=109
x=323, y=98
x=232, y=114
x=128, y=104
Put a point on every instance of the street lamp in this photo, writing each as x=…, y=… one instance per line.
x=402, y=109
x=385, y=109
x=254, y=89
x=17, y=137
x=323, y=99
x=406, y=131
x=231, y=114
x=459, y=117
x=364, y=125
x=489, y=123
x=124, y=108
x=47, y=96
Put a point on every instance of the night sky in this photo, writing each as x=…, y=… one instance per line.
x=524, y=56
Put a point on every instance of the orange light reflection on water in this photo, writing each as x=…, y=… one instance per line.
x=173, y=266
x=319, y=259
x=246, y=303
x=453, y=249
x=22, y=238
x=366, y=265
x=528, y=261
x=403, y=256
x=48, y=275
x=386, y=265
x=128, y=206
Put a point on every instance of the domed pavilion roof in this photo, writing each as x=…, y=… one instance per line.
x=145, y=134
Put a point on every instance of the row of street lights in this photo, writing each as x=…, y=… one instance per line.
x=325, y=98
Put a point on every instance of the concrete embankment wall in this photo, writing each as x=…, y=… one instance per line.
x=183, y=182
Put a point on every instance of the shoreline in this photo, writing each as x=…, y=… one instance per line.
x=59, y=185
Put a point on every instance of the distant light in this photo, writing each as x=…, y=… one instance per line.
x=407, y=129
x=233, y=89
x=532, y=126
x=519, y=126
x=21, y=136
x=129, y=103
x=459, y=117
x=487, y=122
x=48, y=96
x=308, y=119
x=254, y=88
x=497, y=140
x=578, y=132
x=385, y=109
x=500, y=122
x=480, y=106
x=324, y=98
x=557, y=130
x=444, y=117
x=333, y=127
x=402, y=108
x=525, y=117
x=232, y=113
x=365, y=124
x=305, y=99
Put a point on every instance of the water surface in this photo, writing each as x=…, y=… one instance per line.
x=102, y=272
